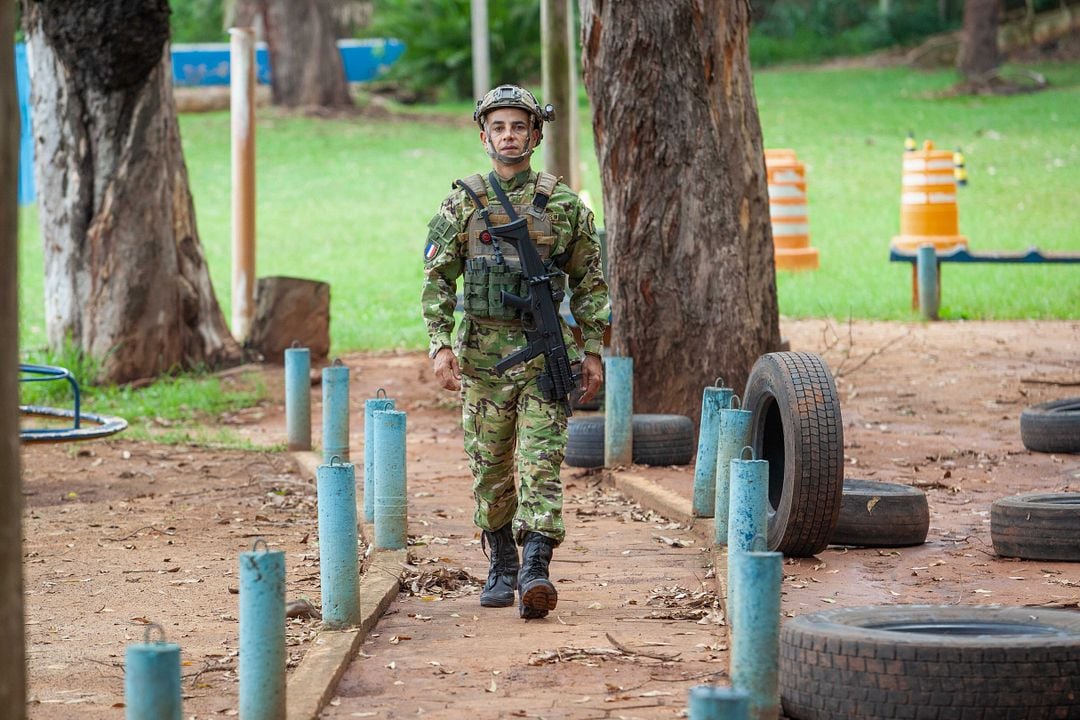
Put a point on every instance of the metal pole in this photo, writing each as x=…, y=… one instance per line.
x=338, y=571
x=371, y=406
x=555, y=84
x=152, y=679
x=298, y=397
x=391, y=510
x=927, y=271
x=733, y=436
x=481, y=53
x=708, y=702
x=713, y=400
x=12, y=649
x=242, y=105
x=619, y=411
x=335, y=411
x=748, y=523
x=755, y=642
x=262, y=634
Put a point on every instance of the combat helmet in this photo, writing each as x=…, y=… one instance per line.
x=513, y=96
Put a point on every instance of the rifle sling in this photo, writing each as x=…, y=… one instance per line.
x=501, y=195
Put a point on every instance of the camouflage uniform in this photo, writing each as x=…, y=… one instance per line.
x=499, y=411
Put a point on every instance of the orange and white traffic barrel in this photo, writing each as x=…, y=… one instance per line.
x=928, y=211
x=787, y=211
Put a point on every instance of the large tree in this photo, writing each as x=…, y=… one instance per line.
x=301, y=36
x=979, y=57
x=125, y=273
x=690, y=253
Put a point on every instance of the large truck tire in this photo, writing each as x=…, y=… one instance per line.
x=929, y=662
x=1037, y=526
x=657, y=440
x=881, y=514
x=1052, y=427
x=798, y=429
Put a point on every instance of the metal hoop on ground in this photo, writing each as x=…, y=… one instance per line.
x=101, y=425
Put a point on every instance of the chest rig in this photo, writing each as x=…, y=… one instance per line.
x=492, y=267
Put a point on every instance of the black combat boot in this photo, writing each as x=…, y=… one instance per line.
x=502, y=573
x=538, y=595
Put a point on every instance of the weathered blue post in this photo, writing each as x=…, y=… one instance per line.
x=748, y=522
x=733, y=436
x=338, y=568
x=298, y=396
x=708, y=702
x=335, y=389
x=262, y=634
x=371, y=406
x=713, y=399
x=619, y=412
x=755, y=631
x=391, y=521
x=926, y=269
x=152, y=679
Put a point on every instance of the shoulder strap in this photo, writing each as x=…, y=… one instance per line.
x=474, y=187
x=545, y=186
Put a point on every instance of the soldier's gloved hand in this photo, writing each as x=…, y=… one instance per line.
x=447, y=370
x=592, y=377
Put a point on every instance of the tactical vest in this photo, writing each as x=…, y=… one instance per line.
x=492, y=267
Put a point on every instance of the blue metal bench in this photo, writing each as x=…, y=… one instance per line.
x=926, y=269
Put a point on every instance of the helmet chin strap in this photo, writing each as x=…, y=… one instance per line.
x=510, y=159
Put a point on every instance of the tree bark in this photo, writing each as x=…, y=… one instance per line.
x=305, y=64
x=12, y=639
x=690, y=248
x=979, y=55
x=126, y=276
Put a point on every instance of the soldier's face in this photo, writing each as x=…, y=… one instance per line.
x=509, y=130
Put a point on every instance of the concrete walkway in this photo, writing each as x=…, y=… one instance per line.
x=637, y=610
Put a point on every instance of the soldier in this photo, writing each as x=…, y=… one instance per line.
x=506, y=419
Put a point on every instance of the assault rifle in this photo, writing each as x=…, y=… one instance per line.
x=540, y=317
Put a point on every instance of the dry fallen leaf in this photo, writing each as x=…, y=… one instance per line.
x=871, y=503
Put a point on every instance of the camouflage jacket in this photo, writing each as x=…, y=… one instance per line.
x=447, y=249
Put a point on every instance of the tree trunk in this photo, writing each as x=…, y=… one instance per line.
x=12, y=642
x=305, y=64
x=686, y=209
x=126, y=276
x=979, y=55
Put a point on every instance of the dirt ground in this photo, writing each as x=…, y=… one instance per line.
x=120, y=533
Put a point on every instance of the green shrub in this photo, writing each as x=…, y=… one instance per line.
x=195, y=21
x=437, y=34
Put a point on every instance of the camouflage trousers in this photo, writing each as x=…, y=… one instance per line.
x=508, y=425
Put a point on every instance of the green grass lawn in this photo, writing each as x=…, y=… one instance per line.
x=347, y=200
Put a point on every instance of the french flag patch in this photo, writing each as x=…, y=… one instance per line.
x=431, y=250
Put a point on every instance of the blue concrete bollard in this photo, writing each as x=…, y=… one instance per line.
x=371, y=406
x=734, y=434
x=338, y=567
x=748, y=520
x=391, y=506
x=335, y=411
x=713, y=399
x=926, y=269
x=708, y=702
x=619, y=411
x=298, y=397
x=755, y=633
x=152, y=679
x=262, y=634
